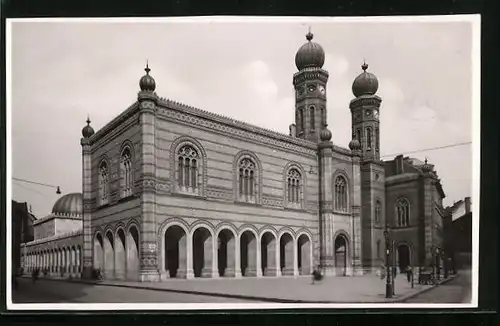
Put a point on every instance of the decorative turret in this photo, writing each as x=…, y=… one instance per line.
x=354, y=145
x=87, y=131
x=365, y=84
x=147, y=82
x=325, y=134
x=426, y=168
x=310, y=55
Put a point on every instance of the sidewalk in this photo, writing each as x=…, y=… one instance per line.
x=358, y=289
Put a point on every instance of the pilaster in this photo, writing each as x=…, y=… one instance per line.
x=327, y=259
x=87, y=209
x=149, y=252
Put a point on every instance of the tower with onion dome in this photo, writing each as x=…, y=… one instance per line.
x=310, y=91
x=365, y=111
x=87, y=133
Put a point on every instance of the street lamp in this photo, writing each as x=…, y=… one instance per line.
x=388, y=284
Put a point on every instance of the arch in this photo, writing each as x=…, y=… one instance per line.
x=132, y=250
x=109, y=253
x=268, y=228
x=248, y=227
x=202, y=237
x=257, y=179
x=304, y=253
x=174, y=250
x=342, y=253
x=302, y=184
x=268, y=240
x=287, y=252
x=205, y=224
x=202, y=171
x=305, y=232
x=226, y=226
x=127, y=169
x=403, y=257
x=284, y=230
x=341, y=191
x=402, y=211
x=226, y=237
x=247, y=238
x=120, y=253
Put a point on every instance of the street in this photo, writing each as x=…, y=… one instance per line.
x=457, y=290
x=44, y=291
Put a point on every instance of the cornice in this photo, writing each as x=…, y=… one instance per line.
x=308, y=74
x=198, y=117
x=365, y=100
x=401, y=178
x=55, y=238
x=114, y=123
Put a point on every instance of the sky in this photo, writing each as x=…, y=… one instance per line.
x=62, y=71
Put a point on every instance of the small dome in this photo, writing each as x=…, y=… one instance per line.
x=365, y=84
x=87, y=131
x=69, y=205
x=325, y=134
x=147, y=82
x=354, y=145
x=310, y=54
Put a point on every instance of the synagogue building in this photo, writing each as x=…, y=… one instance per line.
x=173, y=191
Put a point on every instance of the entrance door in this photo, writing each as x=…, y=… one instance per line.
x=403, y=257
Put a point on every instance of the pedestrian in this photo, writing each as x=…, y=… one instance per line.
x=316, y=275
x=409, y=273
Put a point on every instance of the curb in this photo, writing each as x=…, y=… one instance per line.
x=238, y=296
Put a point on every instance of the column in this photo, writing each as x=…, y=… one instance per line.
x=326, y=208
x=237, y=257
x=189, y=257
x=306, y=262
x=231, y=258
x=295, y=259
x=149, y=252
x=209, y=252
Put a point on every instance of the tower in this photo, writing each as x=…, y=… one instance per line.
x=310, y=91
x=147, y=99
x=366, y=130
x=87, y=133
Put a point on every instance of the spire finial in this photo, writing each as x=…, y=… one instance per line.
x=309, y=36
x=426, y=160
x=364, y=66
x=88, y=119
x=147, y=67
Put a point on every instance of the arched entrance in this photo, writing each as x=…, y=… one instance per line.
x=248, y=254
x=403, y=257
x=341, y=255
x=286, y=254
x=98, y=254
x=268, y=254
x=120, y=255
x=225, y=253
x=202, y=253
x=304, y=255
x=175, y=251
x=132, y=248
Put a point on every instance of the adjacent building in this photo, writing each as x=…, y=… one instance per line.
x=22, y=231
x=173, y=191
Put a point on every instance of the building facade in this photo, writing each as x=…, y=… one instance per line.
x=172, y=191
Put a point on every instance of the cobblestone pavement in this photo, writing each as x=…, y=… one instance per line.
x=457, y=290
x=45, y=291
x=358, y=289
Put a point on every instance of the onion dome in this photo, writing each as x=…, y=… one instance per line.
x=147, y=82
x=365, y=84
x=69, y=205
x=310, y=55
x=426, y=168
x=325, y=134
x=87, y=131
x=354, y=145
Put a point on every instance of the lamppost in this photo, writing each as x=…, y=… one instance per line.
x=437, y=264
x=388, y=284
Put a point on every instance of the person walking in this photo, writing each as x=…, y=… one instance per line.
x=316, y=275
x=409, y=273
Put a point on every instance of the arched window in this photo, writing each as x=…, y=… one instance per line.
x=323, y=117
x=302, y=119
x=369, y=138
x=403, y=212
x=103, y=183
x=127, y=172
x=377, y=140
x=294, y=182
x=359, y=137
x=187, y=168
x=311, y=118
x=340, y=204
x=246, y=179
x=378, y=211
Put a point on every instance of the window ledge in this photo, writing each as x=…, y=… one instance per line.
x=187, y=194
x=342, y=213
x=127, y=197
